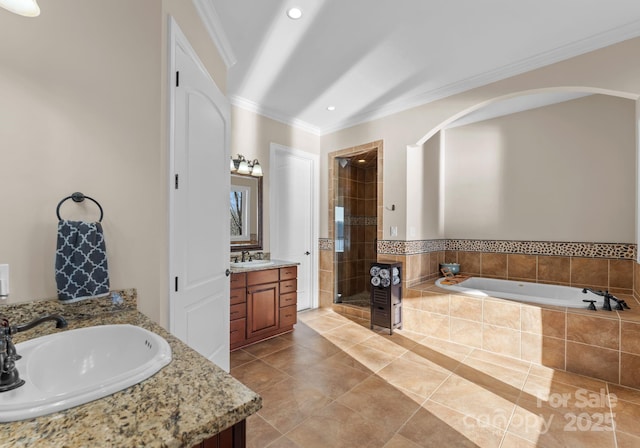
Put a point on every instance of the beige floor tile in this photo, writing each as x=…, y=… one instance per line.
x=625, y=440
x=240, y=357
x=398, y=441
x=264, y=348
x=333, y=378
x=386, y=345
x=475, y=401
x=320, y=345
x=333, y=382
x=438, y=427
x=433, y=357
x=260, y=433
x=552, y=428
x=258, y=375
x=383, y=404
x=294, y=360
x=573, y=379
x=501, y=381
x=419, y=379
x=289, y=403
x=547, y=392
x=626, y=416
x=325, y=323
x=500, y=360
x=337, y=426
x=348, y=335
x=625, y=393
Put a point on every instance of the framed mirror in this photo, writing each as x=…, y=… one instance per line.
x=245, y=212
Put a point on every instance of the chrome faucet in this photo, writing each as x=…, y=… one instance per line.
x=9, y=376
x=244, y=252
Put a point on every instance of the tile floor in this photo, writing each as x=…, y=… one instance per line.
x=335, y=383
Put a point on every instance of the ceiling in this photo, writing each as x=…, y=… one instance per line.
x=370, y=58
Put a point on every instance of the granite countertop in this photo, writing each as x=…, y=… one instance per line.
x=188, y=401
x=275, y=264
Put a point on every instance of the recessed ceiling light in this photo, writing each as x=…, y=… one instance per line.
x=332, y=108
x=294, y=13
x=361, y=160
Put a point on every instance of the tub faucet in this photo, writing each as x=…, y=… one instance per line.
x=9, y=376
x=621, y=305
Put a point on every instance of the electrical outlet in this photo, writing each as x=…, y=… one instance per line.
x=394, y=231
x=4, y=280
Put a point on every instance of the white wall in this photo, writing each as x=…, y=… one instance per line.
x=564, y=172
x=614, y=69
x=424, y=193
x=252, y=135
x=83, y=108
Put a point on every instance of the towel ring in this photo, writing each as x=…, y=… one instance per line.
x=79, y=197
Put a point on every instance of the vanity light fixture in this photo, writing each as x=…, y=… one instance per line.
x=241, y=165
x=294, y=13
x=26, y=8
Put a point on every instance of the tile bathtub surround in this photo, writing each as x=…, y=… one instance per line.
x=601, y=344
x=407, y=390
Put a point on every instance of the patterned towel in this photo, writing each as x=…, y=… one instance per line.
x=81, y=261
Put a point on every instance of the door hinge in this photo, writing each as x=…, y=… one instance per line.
x=176, y=181
x=176, y=284
x=177, y=79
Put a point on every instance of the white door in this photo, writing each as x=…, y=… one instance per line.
x=199, y=200
x=293, y=216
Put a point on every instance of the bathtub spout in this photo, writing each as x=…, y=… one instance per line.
x=621, y=305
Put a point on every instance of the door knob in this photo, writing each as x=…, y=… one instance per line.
x=227, y=272
x=307, y=253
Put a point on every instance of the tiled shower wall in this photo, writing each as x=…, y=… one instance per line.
x=357, y=194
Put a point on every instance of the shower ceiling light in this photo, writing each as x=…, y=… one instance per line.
x=27, y=8
x=294, y=13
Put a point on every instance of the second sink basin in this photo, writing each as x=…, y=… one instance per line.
x=70, y=368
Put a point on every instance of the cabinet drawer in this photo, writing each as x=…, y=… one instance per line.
x=237, y=330
x=288, y=299
x=259, y=277
x=238, y=280
x=288, y=273
x=288, y=286
x=238, y=311
x=288, y=316
x=238, y=296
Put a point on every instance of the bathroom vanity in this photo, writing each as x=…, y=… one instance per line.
x=263, y=302
x=190, y=402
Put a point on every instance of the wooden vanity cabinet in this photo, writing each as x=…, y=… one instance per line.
x=233, y=437
x=263, y=304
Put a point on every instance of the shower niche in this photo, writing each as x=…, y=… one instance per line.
x=355, y=226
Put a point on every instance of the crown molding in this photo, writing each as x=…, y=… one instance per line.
x=212, y=23
x=254, y=107
x=558, y=54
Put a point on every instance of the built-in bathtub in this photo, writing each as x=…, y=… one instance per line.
x=542, y=294
x=543, y=324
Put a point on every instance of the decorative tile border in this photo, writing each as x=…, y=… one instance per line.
x=325, y=244
x=361, y=220
x=567, y=249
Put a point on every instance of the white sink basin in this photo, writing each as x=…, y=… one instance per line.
x=251, y=264
x=74, y=367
